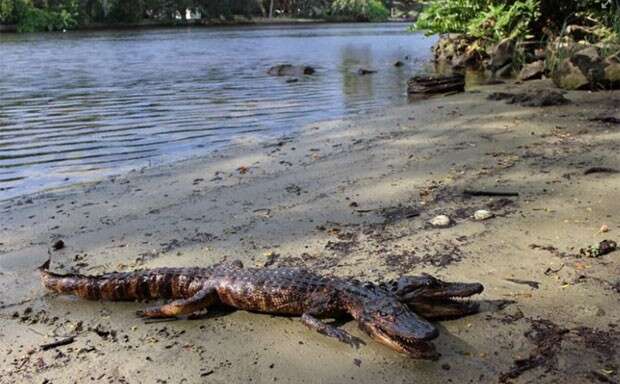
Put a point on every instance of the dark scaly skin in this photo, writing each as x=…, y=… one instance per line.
x=288, y=291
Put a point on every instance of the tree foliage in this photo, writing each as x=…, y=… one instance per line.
x=497, y=19
x=361, y=10
x=38, y=15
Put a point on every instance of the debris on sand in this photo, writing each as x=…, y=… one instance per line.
x=471, y=192
x=482, y=214
x=441, y=221
x=547, y=337
x=600, y=249
x=540, y=98
x=398, y=213
x=59, y=343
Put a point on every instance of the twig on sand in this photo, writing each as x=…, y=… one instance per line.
x=600, y=170
x=472, y=192
x=58, y=343
x=607, y=119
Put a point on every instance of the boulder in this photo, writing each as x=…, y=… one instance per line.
x=584, y=66
x=612, y=71
x=532, y=71
x=455, y=51
x=290, y=70
x=501, y=54
x=568, y=76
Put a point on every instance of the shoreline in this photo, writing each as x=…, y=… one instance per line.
x=338, y=198
x=211, y=23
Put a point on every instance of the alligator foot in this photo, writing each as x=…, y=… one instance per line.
x=201, y=300
x=331, y=331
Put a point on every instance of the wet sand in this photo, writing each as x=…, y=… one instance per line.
x=351, y=198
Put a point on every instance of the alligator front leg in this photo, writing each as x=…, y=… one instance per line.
x=329, y=330
x=201, y=300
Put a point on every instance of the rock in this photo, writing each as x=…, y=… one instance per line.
x=482, y=214
x=290, y=70
x=538, y=98
x=441, y=221
x=436, y=84
x=501, y=54
x=365, y=71
x=399, y=63
x=532, y=71
x=292, y=80
x=58, y=245
x=584, y=66
x=455, y=51
x=569, y=76
x=505, y=71
x=612, y=71
x=604, y=228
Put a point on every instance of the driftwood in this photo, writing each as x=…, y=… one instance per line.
x=600, y=170
x=470, y=192
x=427, y=85
x=59, y=343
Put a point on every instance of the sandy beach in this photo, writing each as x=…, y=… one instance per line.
x=351, y=198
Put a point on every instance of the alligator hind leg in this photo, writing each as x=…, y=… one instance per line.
x=329, y=330
x=201, y=300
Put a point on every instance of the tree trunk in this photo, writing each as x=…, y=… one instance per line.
x=271, y=9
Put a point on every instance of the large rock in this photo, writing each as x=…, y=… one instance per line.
x=455, y=51
x=612, y=71
x=290, y=70
x=501, y=54
x=584, y=66
x=568, y=76
x=532, y=71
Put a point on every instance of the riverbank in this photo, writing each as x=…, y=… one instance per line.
x=148, y=24
x=350, y=197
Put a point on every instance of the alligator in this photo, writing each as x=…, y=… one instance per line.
x=394, y=313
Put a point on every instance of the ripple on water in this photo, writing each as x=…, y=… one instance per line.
x=118, y=100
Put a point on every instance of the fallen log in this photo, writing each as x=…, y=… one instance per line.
x=427, y=85
x=470, y=192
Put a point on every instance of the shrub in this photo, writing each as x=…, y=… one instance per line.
x=361, y=10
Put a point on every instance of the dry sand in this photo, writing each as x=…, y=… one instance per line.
x=341, y=197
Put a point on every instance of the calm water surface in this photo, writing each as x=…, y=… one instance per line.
x=74, y=106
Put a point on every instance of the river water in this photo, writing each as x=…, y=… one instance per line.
x=78, y=105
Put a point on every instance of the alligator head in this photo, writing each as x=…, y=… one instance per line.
x=390, y=322
x=433, y=298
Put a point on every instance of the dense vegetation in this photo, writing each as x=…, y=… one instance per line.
x=39, y=15
x=498, y=19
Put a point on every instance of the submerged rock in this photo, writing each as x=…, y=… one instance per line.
x=290, y=70
x=441, y=221
x=365, y=71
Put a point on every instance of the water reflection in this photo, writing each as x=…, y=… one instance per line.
x=77, y=105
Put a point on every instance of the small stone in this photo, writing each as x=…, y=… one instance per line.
x=604, y=228
x=482, y=214
x=441, y=221
x=58, y=245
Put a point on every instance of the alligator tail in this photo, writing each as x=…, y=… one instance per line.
x=111, y=286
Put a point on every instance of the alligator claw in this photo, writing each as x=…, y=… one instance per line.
x=347, y=338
